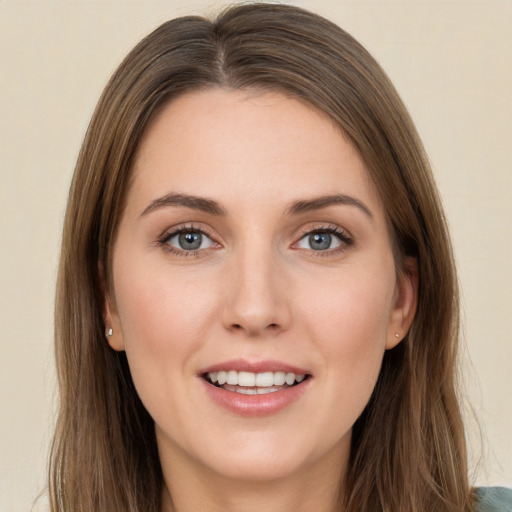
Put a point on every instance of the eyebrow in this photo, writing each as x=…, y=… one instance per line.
x=214, y=208
x=186, y=201
x=317, y=203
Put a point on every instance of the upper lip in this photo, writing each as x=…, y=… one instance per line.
x=242, y=365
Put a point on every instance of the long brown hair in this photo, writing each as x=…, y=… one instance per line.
x=408, y=448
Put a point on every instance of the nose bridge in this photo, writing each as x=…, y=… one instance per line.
x=256, y=301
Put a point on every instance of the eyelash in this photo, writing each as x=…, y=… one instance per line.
x=345, y=239
x=169, y=235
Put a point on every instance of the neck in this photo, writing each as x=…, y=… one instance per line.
x=189, y=487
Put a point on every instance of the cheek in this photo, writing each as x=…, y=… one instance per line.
x=351, y=310
x=163, y=319
x=160, y=309
x=348, y=319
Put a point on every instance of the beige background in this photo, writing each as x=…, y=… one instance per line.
x=450, y=60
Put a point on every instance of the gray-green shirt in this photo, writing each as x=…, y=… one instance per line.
x=494, y=499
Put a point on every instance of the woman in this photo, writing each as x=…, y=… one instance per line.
x=257, y=305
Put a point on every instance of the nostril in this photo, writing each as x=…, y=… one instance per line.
x=240, y=327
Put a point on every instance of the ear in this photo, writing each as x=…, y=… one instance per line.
x=406, y=299
x=113, y=331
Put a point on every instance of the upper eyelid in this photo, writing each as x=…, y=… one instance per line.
x=325, y=227
x=167, y=235
x=344, y=236
x=180, y=228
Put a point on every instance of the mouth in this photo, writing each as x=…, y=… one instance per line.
x=250, y=383
x=254, y=389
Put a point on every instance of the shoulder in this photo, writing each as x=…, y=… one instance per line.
x=493, y=499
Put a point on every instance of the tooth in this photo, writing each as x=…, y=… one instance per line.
x=290, y=378
x=232, y=378
x=264, y=391
x=247, y=391
x=265, y=380
x=279, y=378
x=246, y=379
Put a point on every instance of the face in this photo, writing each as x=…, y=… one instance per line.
x=254, y=286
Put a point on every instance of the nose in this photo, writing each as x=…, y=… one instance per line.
x=256, y=301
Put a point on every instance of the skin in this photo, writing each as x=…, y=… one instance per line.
x=256, y=291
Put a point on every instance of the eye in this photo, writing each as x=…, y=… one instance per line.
x=187, y=240
x=324, y=239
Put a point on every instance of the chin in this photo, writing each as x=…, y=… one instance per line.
x=253, y=467
x=262, y=457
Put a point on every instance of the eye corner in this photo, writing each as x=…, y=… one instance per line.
x=187, y=240
x=329, y=240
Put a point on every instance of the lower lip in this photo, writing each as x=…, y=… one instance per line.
x=256, y=405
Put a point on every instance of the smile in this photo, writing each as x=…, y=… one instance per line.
x=249, y=383
x=255, y=388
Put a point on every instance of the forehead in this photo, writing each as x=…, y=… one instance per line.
x=261, y=146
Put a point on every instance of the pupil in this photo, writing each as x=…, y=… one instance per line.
x=190, y=241
x=320, y=241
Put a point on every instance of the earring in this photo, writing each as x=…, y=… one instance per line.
x=396, y=334
x=110, y=332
